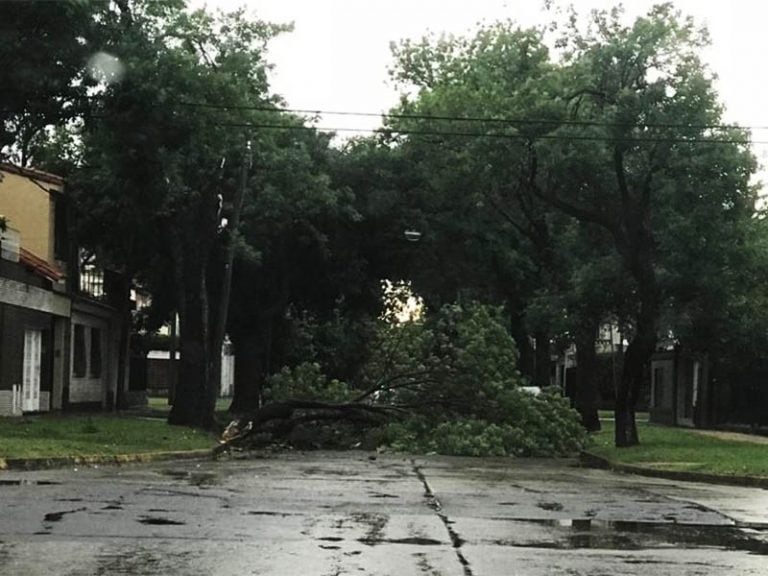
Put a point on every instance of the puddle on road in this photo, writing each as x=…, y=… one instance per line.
x=627, y=535
x=368, y=541
x=158, y=521
x=57, y=516
x=195, y=478
x=550, y=506
x=271, y=513
x=343, y=474
x=27, y=482
x=413, y=541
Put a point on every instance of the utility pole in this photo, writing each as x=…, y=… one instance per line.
x=232, y=229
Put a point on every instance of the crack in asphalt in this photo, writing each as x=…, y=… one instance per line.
x=431, y=499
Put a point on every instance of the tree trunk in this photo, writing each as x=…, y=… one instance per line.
x=586, y=389
x=525, y=362
x=219, y=323
x=174, y=339
x=636, y=357
x=117, y=287
x=194, y=239
x=192, y=405
x=542, y=359
x=194, y=400
x=249, y=372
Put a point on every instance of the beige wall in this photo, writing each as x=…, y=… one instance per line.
x=30, y=210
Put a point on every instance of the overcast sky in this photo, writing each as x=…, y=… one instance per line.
x=337, y=56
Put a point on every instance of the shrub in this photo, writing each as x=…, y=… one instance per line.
x=306, y=382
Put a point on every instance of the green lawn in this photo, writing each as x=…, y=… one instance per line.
x=668, y=448
x=157, y=404
x=94, y=435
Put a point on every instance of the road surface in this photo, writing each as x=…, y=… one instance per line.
x=329, y=514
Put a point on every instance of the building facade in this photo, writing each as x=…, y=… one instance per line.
x=59, y=343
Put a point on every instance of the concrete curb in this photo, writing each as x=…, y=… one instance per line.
x=591, y=460
x=116, y=459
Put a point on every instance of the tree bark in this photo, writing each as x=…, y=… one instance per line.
x=195, y=397
x=219, y=328
x=194, y=239
x=193, y=402
x=586, y=389
x=542, y=359
x=249, y=372
x=637, y=355
x=126, y=324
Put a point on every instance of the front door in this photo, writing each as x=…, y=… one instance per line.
x=33, y=346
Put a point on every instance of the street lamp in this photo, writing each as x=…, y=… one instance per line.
x=412, y=235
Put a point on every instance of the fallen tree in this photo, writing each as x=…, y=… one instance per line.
x=278, y=420
x=448, y=384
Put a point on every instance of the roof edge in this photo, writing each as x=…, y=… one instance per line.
x=40, y=266
x=32, y=173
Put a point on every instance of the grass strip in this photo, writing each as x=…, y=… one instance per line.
x=160, y=405
x=50, y=436
x=679, y=449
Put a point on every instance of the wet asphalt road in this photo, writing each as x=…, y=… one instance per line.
x=329, y=514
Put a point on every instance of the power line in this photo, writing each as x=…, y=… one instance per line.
x=492, y=120
x=496, y=135
x=475, y=134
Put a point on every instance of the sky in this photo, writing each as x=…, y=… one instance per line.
x=339, y=52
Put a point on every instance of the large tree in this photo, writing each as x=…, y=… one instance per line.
x=166, y=157
x=613, y=134
x=642, y=113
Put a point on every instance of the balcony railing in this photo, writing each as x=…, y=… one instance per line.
x=92, y=282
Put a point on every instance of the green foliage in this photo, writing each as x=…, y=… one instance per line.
x=338, y=342
x=306, y=382
x=42, y=51
x=457, y=374
x=459, y=360
x=543, y=426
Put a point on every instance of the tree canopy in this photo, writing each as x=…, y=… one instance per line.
x=621, y=131
x=571, y=183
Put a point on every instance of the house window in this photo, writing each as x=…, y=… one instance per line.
x=87, y=353
x=95, y=355
x=658, y=387
x=79, y=357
